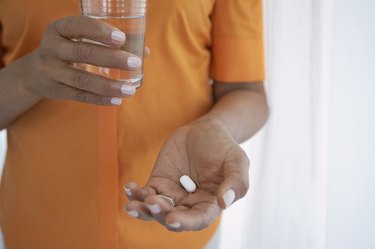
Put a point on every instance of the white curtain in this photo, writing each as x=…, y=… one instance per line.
x=313, y=181
x=3, y=147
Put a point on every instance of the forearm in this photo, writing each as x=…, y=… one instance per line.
x=14, y=98
x=242, y=111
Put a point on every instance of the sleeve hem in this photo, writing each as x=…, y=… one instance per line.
x=237, y=60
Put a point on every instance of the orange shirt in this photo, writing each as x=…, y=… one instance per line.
x=67, y=162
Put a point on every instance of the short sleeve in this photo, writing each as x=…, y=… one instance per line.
x=237, y=41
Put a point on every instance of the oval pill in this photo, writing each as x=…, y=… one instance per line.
x=188, y=184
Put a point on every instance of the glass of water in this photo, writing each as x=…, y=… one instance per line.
x=129, y=16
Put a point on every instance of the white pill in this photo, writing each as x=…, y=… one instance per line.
x=188, y=184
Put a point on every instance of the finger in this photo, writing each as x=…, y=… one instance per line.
x=194, y=219
x=94, y=54
x=137, y=209
x=60, y=91
x=134, y=192
x=128, y=189
x=168, y=187
x=76, y=27
x=91, y=82
x=159, y=208
x=236, y=182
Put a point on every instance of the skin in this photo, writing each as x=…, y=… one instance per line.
x=48, y=72
x=207, y=149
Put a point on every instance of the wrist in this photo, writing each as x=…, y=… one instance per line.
x=25, y=79
x=208, y=120
x=210, y=123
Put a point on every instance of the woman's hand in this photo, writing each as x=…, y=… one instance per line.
x=51, y=74
x=207, y=153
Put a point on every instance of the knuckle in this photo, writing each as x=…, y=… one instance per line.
x=240, y=157
x=85, y=97
x=82, y=97
x=46, y=49
x=244, y=157
x=82, y=52
x=43, y=52
x=56, y=27
x=105, y=88
x=100, y=86
x=49, y=44
x=52, y=28
x=118, y=59
x=71, y=22
x=100, y=27
x=81, y=80
x=60, y=51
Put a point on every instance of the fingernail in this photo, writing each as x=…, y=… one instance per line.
x=116, y=101
x=118, y=36
x=128, y=191
x=175, y=225
x=155, y=209
x=229, y=197
x=134, y=62
x=128, y=90
x=133, y=213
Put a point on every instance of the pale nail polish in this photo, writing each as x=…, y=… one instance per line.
x=175, y=225
x=128, y=191
x=229, y=197
x=118, y=36
x=133, y=213
x=134, y=62
x=116, y=101
x=128, y=90
x=155, y=208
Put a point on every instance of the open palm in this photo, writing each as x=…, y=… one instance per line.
x=215, y=162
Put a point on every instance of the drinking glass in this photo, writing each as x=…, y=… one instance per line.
x=129, y=16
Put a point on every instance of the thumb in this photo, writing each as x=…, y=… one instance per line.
x=236, y=178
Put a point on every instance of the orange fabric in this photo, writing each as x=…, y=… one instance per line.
x=237, y=41
x=1, y=47
x=67, y=162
